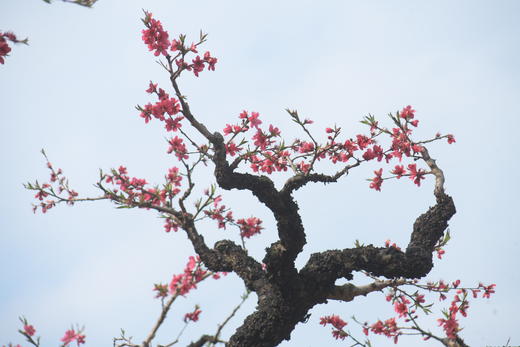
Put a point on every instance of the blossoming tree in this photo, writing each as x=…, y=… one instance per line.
x=244, y=156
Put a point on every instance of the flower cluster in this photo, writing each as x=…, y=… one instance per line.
x=157, y=40
x=406, y=306
x=155, y=36
x=337, y=323
x=401, y=305
x=183, y=283
x=407, y=113
x=4, y=46
x=28, y=331
x=161, y=289
x=459, y=303
x=73, y=336
x=249, y=227
x=170, y=225
x=178, y=147
x=54, y=189
x=192, y=316
x=213, y=209
x=221, y=215
x=165, y=106
x=387, y=328
x=133, y=191
x=377, y=180
x=267, y=153
x=389, y=244
x=166, y=110
x=199, y=63
x=267, y=156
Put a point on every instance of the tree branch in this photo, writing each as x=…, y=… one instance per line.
x=348, y=291
x=415, y=262
x=437, y=172
x=300, y=180
x=281, y=255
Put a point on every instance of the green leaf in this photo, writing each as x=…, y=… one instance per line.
x=447, y=237
x=358, y=244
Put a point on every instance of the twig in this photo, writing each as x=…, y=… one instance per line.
x=348, y=291
x=231, y=315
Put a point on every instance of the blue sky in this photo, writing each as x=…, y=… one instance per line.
x=73, y=92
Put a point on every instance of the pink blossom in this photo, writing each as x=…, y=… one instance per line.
x=261, y=140
x=198, y=65
x=210, y=60
x=40, y=195
x=217, y=214
x=488, y=290
x=335, y=320
x=155, y=37
x=249, y=227
x=192, y=316
x=181, y=64
x=350, y=146
x=183, y=283
x=407, y=112
x=416, y=175
x=417, y=148
x=177, y=146
x=399, y=171
x=388, y=244
x=304, y=167
x=152, y=88
x=274, y=131
x=173, y=124
x=4, y=48
x=71, y=336
x=363, y=141
x=254, y=121
x=338, y=325
x=377, y=180
x=374, y=152
x=176, y=45
x=170, y=225
x=419, y=298
x=401, y=306
x=450, y=326
x=173, y=176
x=232, y=148
x=305, y=147
x=388, y=328
x=29, y=329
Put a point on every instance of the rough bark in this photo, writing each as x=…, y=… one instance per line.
x=283, y=304
x=285, y=295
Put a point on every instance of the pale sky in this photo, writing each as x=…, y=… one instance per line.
x=73, y=92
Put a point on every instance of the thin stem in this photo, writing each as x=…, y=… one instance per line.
x=231, y=315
